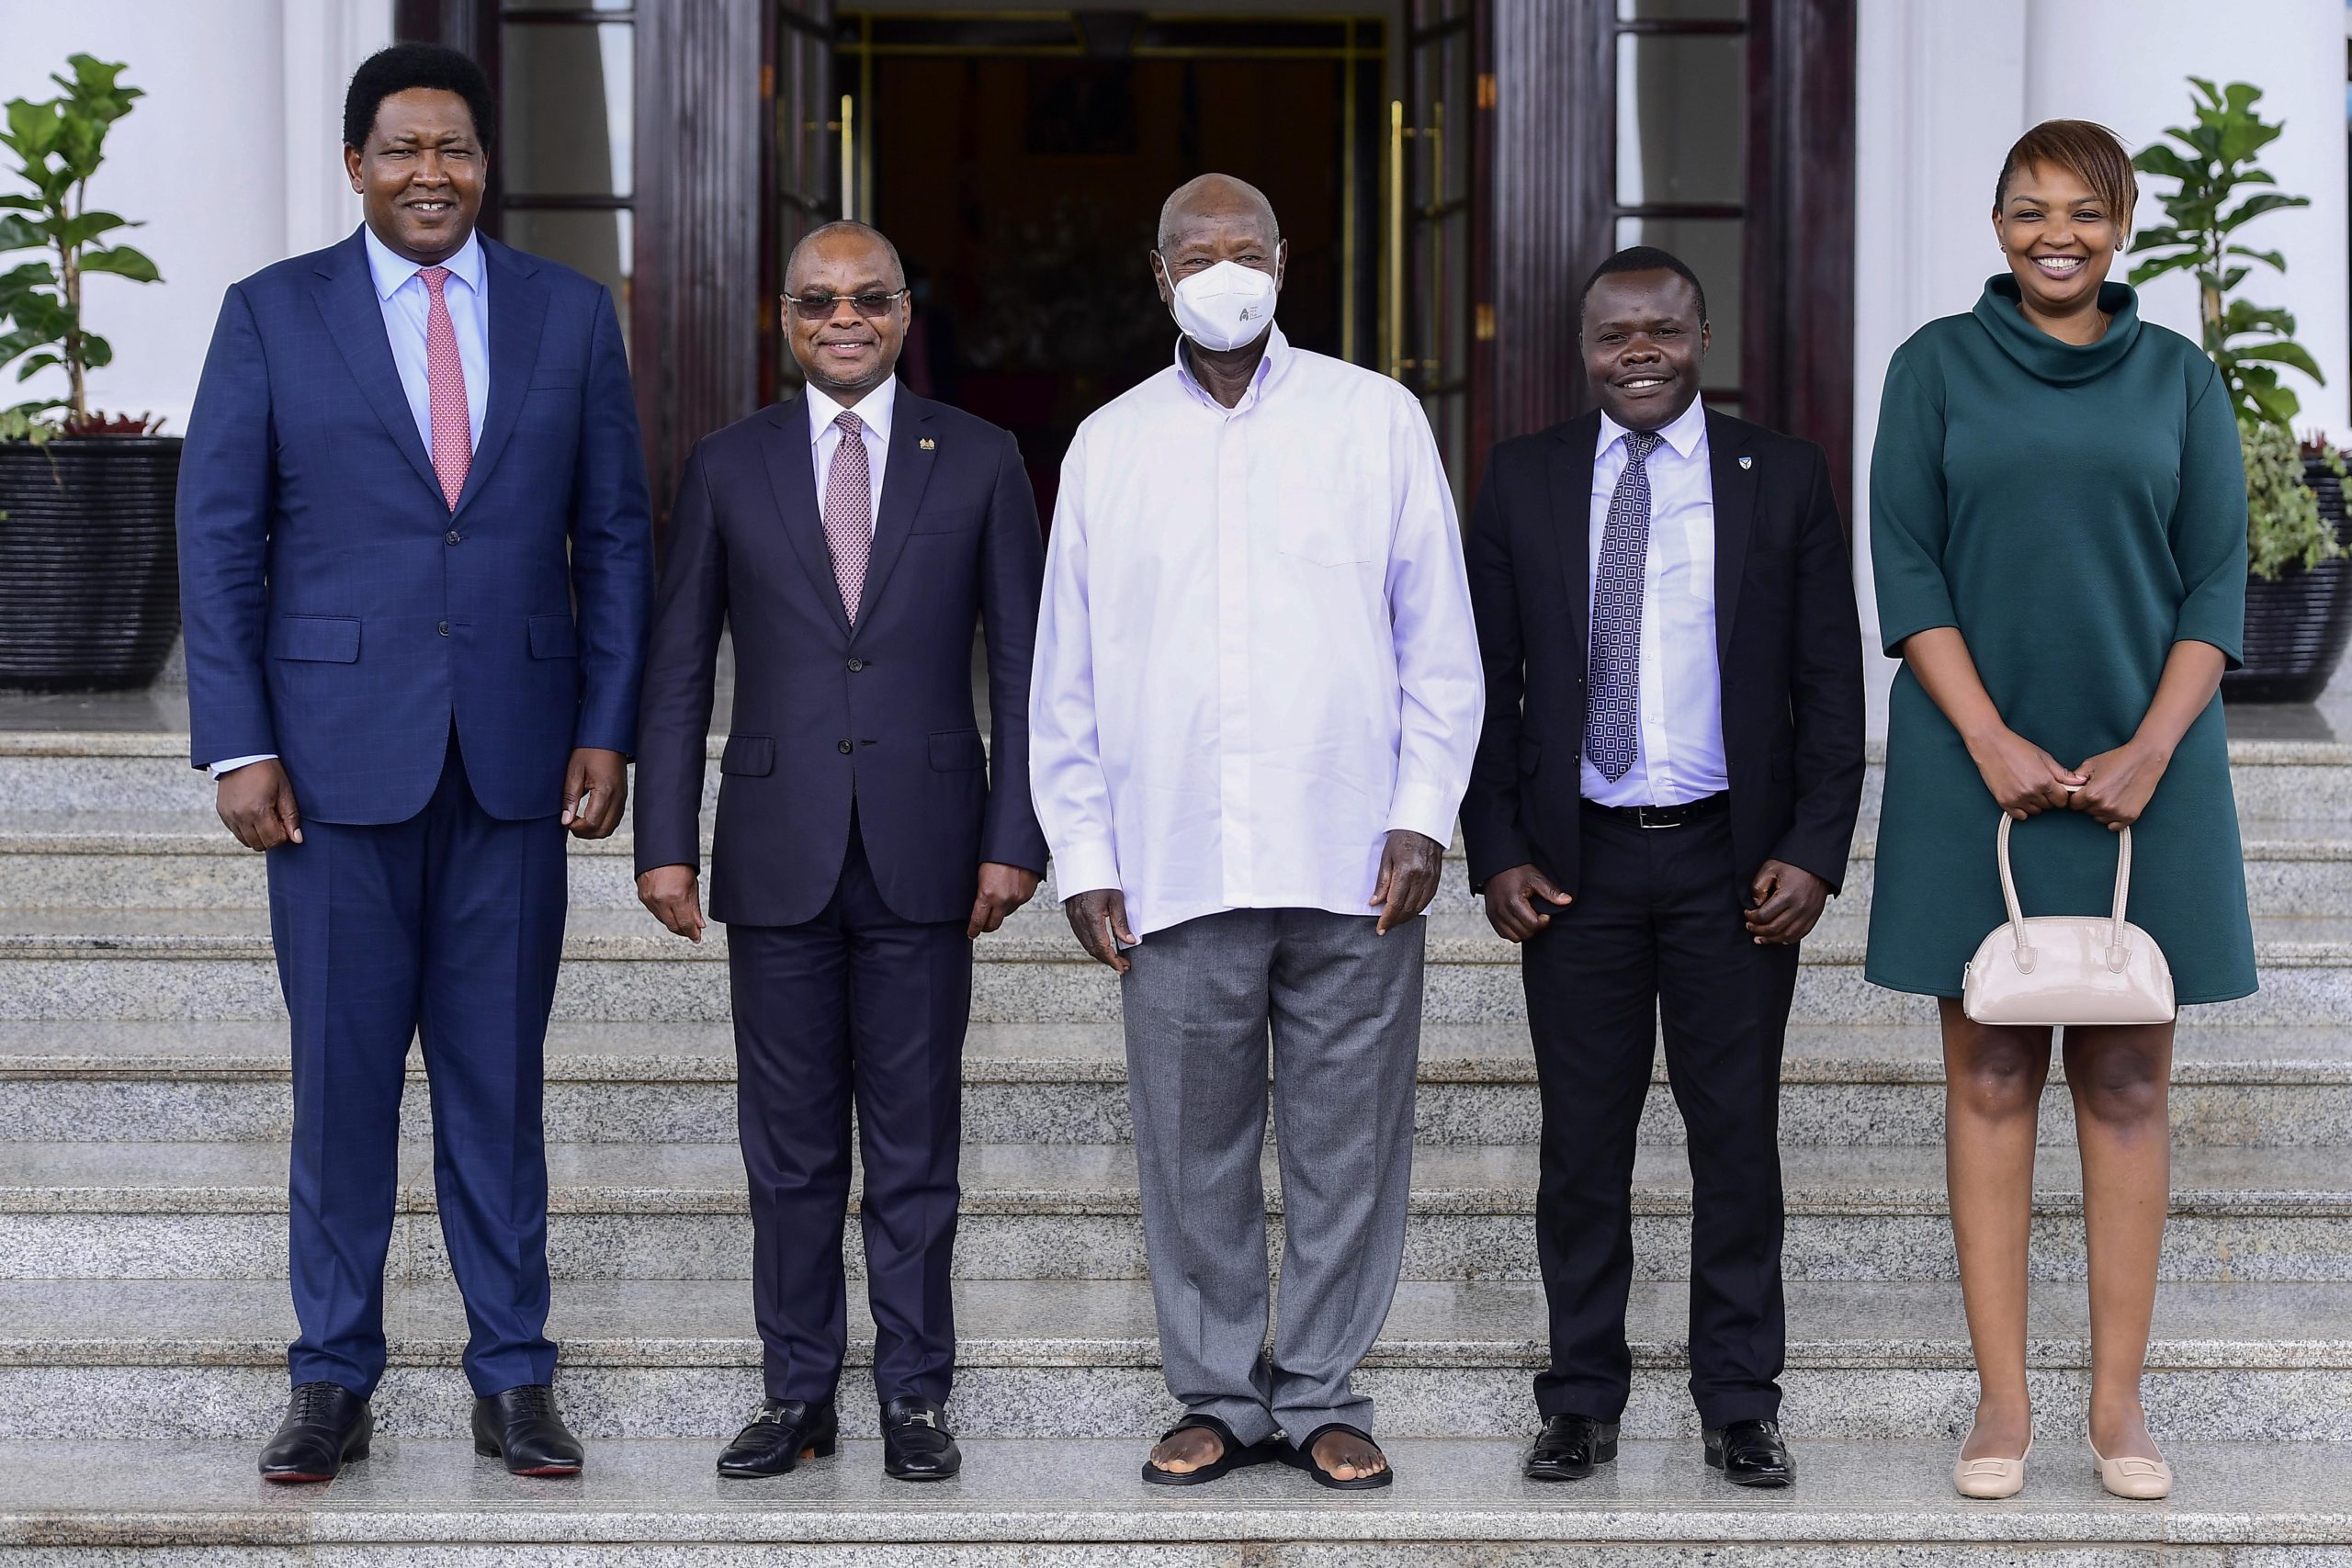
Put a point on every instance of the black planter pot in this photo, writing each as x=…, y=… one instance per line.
x=2296, y=627
x=89, y=576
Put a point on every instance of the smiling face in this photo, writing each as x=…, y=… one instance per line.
x=843, y=352
x=2059, y=237
x=421, y=175
x=1643, y=342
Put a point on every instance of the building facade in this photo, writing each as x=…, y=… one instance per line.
x=1447, y=171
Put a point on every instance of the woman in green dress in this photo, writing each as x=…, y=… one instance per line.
x=2058, y=530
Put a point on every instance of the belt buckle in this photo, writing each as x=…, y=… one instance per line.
x=1641, y=818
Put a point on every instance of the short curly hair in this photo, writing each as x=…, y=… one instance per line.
x=2085, y=148
x=407, y=66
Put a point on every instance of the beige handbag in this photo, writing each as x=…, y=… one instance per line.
x=2060, y=969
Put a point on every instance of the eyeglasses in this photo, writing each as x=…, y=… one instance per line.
x=820, y=307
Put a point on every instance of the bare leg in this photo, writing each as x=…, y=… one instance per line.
x=2119, y=1077
x=1993, y=1081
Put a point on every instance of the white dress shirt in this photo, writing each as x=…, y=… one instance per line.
x=1679, y=742
x=873, y=410
x=1255, y=655
x=406, y=305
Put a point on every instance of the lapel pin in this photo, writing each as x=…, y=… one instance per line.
x=1748, y=462
x=926, y=444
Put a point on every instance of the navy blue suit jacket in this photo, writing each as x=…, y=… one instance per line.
x=341, y=615
x=823, y=713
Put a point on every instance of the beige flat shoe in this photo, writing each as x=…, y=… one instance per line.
x=1991, y=1478
x=2141, y=1478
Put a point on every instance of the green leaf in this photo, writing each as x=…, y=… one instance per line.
x=2163, y=161
x=2160, y=265
x=96, y=352
x=2291, y=354
x=21, y=234
x=2255, y=206
x=2273, y=257
x=80, y=229
x=37, y=364
x=22, y=203
x=123, y=262
x=33, y=128
x=2244, y=316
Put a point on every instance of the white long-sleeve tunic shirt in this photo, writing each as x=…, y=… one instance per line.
x=1255, y=655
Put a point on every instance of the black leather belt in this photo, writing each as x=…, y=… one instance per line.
x=1665, y=815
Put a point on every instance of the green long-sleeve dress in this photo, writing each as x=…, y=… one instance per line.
x=2075, y=511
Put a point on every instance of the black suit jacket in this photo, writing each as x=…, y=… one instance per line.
x=824, y=713
x=1787, y=643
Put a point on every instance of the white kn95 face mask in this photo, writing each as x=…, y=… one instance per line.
x=1226, y=306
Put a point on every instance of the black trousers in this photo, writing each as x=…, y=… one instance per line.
x=855, y=1004
x=1656, y=937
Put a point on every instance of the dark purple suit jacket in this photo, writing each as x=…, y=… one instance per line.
x=823, y=713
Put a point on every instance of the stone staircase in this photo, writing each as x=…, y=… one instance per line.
x=144, y=1103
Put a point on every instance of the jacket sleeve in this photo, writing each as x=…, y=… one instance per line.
x=1013, y=568
x=612, y=545
x=680, y=672
x=224, y=508
x=1824, y=690
x=1491, y=834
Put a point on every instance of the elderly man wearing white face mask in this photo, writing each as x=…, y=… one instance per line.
x=1256, y=698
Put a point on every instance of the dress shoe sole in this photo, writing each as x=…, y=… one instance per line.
x=766, y=1471
x=924, y=1474
x=539, y=1472
x=1761, y=1482
x=309, y=1477
x=1604, y=1453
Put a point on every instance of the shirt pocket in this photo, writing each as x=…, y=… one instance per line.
x=1329, y=517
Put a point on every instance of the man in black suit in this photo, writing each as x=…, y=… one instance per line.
x=849, y=538
x=1663, y=800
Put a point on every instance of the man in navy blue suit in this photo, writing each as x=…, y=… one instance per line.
x=851, y=539
x=414, y=568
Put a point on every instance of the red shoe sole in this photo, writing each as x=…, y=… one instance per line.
x=295, y=1480
x=550, y=1470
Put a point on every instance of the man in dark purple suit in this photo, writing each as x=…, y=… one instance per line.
x=849, y=538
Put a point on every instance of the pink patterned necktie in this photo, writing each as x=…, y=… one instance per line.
x=444, y=373
x=849, y=510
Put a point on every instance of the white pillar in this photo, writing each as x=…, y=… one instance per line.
x=2128, y=68
x=1940, y=95
x=230, y=161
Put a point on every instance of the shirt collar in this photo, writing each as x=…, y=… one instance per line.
x=392, y=271
x=873, y=411
x=1275, y=360
x=1683, y=434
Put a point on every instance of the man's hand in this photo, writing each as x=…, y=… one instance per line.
x=2122, y=783
x=1003, y=888
x=256, y=801
x=1788, y=900
x=1411, y=865
x=1099, y=918
x=596, y=787
x=672, y=893
x=1511, y=902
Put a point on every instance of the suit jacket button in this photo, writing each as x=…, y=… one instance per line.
x=855, y=665
x=844, y=748
x=450, y=537
x=443, y=628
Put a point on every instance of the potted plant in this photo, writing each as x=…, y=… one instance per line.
x=89, y=584
x=2299, y=587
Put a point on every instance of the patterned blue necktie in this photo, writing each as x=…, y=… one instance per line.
x=1612, y=710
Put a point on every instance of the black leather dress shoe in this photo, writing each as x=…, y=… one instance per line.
x=326, y=1427
x=916, y=1444
x=523, y=1427
x=782, y=1433
x=1569, y=1445
x=1750, y=1453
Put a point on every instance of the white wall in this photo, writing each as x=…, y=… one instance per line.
x=1943, y=88
x=232, y=159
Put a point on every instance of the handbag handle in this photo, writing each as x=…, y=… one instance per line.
x=2117, y=955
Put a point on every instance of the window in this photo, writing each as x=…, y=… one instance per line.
x=565, y=162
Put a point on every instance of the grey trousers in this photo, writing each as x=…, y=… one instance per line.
x=1344, y=1010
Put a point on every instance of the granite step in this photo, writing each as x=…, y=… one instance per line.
x=1062, y=1212
x=217, y=963
x=185, y=859
x=1081, y=1359
x=637, y=1083
x=1457, y=1503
